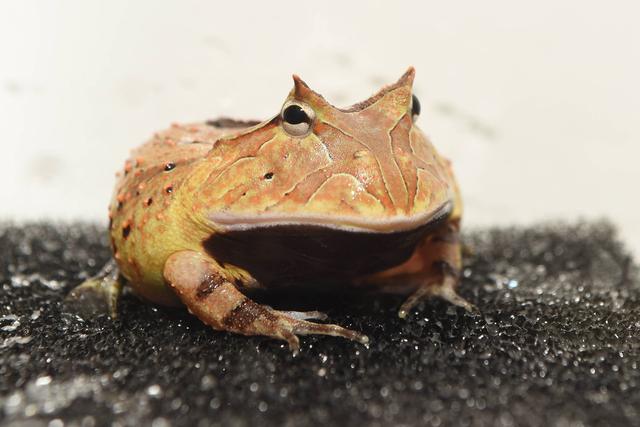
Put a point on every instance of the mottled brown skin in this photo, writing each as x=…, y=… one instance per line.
x=204, y=211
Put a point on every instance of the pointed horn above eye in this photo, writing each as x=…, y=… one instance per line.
x=407, y=77
x=300, y=88
x=404, y=83
x=303, y=92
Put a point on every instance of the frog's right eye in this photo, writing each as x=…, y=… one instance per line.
x=297, y=118
x=415, y=107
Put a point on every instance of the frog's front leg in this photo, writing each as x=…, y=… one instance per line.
x=98, y=294
x=211, y=293
x=434, y=270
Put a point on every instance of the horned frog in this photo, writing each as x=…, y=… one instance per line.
x=205, y=212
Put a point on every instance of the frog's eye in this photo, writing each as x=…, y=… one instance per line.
x=297, y=118
x=415, y=107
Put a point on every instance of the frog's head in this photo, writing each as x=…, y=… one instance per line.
x=366, y=167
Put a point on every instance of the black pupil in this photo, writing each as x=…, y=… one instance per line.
x=415, y=110
x=294, y=114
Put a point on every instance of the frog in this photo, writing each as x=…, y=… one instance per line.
x=315, y=197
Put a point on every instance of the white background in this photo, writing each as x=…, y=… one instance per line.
x=537, y=103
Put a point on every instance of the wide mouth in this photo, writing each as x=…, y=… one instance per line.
x=226, y=221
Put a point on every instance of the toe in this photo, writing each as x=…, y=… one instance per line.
x=306, y=315
x=308, y=328
x=444, y=289
x=292, y=340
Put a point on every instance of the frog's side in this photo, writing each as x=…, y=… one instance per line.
x=315, y=195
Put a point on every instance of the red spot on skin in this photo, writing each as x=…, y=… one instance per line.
x=138, y=172
x=193, y=129
x=139, y=160
x=170, y=142
x=120, y=198
x=159, y=216
x=127, y=166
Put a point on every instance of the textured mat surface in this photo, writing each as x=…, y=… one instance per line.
x=558, y=343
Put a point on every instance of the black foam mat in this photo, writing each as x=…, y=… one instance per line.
x=557, y=343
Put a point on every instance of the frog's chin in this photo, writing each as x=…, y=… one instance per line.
x=225, y=221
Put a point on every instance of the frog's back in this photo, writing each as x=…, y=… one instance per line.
x=178, y=145
x=140, y=223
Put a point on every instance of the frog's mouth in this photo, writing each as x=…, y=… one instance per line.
x=226, y=222
x=279, y=253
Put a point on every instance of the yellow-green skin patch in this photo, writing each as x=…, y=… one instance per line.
x=367, y=168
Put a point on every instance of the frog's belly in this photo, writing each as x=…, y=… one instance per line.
x=288, y=255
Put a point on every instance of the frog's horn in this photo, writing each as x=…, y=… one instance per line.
x=300, y=87
x=407, y=78
x=303, y=92
x=401, y=99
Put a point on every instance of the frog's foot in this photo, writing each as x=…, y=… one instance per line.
x=444, y=288
x=97, y=295
x=209, y=293
x=432, y=271
x=287, y=327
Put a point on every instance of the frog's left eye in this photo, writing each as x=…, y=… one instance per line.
x=415, y=107
x=297, y=118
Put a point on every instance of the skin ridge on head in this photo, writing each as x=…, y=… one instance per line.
x=366, y=167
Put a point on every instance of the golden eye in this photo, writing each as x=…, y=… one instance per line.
x=415, y=107
x=297, y=118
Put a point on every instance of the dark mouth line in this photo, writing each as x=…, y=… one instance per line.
x=236, y=223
